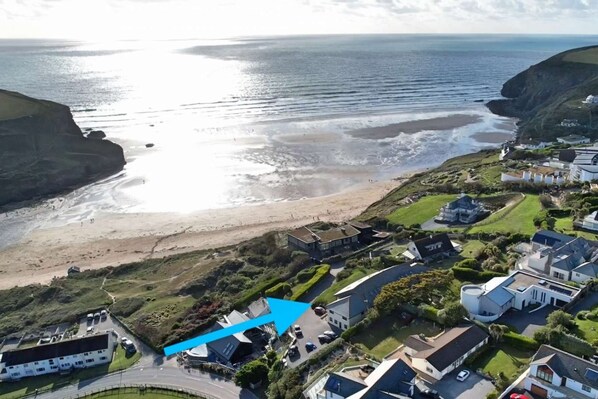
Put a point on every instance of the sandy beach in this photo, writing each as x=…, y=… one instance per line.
x=410, y=127
x=114, y=239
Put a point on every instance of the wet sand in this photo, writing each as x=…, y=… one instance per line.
x=410, y=127
x=114, y=239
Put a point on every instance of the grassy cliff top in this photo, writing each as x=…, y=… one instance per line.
x=15, y=105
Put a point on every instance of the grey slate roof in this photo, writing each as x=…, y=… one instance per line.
x=464, y=202
x=227, y=346
x=451, y=345
x=572, y=254
x=343, y=384
x=57, y=349
x=433, y=245
x=585, y=159
x=588, y=269
x=567, y=365
x=550, y=238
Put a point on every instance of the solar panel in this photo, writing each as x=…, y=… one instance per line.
x=592, y=375
x=560, y=289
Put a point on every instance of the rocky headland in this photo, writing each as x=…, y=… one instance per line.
x=43, y=151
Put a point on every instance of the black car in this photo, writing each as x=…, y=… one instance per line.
x=324, y=338
x=430, y=393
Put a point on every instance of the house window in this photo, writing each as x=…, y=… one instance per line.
x=80, y=362
x=53, y=367
x=41, y=369
x=51, y=361
x=544, y=373
x=344, y=318
x=558, y=275
x=346, y=327
x=89, y=361
x=103, y=358
x=586, y=388
x=36, y=363
x=429, y=370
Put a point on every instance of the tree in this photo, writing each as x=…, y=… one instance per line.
x=560, y=318
x=497, y=331
x=252, y=373
x=288, y=386
x=452, y=314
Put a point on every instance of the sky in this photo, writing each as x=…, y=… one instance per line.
x=188, y=19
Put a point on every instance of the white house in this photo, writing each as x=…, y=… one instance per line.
x=393, y=378
x=592, y=100
x=487, y=302
x=464, y=210
x=555, y=374
x=533, y=177
x=354, y=300
x=61, y=356
x=439, y=356
x=590, y=222
x=573, y=139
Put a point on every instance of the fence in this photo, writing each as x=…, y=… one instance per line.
x=141, y=390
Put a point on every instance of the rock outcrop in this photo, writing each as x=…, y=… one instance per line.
x=43, y=151
x=553, y=90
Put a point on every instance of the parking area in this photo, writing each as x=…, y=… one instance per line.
x=312, y=326
x=449, y=388
x=524, y=322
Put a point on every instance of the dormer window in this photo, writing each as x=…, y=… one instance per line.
x=545, y=374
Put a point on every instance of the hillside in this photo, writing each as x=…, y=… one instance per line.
x=43, y=151
x=553, y=90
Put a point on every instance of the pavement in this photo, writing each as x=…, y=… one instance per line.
x=312, y=326
x=449, y=388
x=526, y=323
x=210, y=385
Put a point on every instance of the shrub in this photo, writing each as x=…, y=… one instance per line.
x=468, y=264
x=251, y=373
x=279, y=290
x=428, y=312
x=583, y=314
x=462, y=273
x=575, y=345
x=321, y=273
x=255, y=292
x=520, y=341
x=127, y=306
x=452, y=314
x=305, y=275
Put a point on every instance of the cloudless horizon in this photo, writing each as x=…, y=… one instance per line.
x=210, y=19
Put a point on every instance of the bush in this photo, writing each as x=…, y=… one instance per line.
x=255, y=292
x=279, y=290
x=582, y=315
x=303, y=289
x=452, y=314
x=428, y=312
x=462, y=274
x=575, y=345
x=468, y=264
x=127, y=306
x=305, y=275
x=520, y=341
x=252, y=373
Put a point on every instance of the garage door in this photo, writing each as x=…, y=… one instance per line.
x=541, y=392
x=559, y=303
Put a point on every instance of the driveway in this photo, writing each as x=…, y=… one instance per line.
x=524, y=322
x=312, y=326
x=449, y=388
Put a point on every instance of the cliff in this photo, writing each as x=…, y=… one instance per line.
x=553, y=90
x=43, y=151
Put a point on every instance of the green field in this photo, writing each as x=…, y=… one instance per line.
x=470, y=248
x=589, y=56
x=503, y=358
x=15, y=106
x=421, y=211
x=517, y=218
x=387, y=333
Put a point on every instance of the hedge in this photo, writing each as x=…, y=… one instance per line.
x=463, y=273
x=304, y=288
x=279, y=290
x=256, y=292
x=428, y=312
x=519, y=341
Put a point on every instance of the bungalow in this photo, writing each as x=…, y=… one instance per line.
x=590, y=222
x=432, y=247
x=61, y=356
x=573, y=139
x=584, y=167
x=554, y=373
x=487, y=302
x=463, y=210
x=390, y=379
x=325, y=242
x=439, y=356
x=354, y=300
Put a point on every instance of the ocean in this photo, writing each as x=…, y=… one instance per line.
x=253, y=120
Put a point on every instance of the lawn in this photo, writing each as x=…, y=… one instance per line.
x=503, y=358
x=517, y=218
x=18, y=389
x=421, y=211
x=386, y=334
x=565, y=226
x=587, y=329
x=470, y=248
x=328, y=295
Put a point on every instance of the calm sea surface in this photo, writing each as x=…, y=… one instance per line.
x=252, y=120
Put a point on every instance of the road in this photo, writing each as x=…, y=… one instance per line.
x=177, y=377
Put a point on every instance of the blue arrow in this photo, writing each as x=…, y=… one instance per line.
x=282, y=314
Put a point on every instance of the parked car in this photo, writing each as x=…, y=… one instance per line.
x=96, y=316
x=430, y=393
x=310, y=346
x=293, y=350
x=594, y=358
x=89, y=329
x=331, y=334
x=89, y=316
x=463, y=374
x=518, y=396
x=324, y=339
x=297, y=330
x=320, y=311
x=103, y=314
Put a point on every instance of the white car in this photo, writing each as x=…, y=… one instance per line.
x=463, y=374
